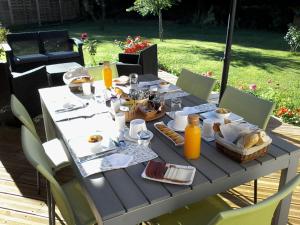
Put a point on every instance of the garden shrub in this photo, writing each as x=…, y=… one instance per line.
x=293, y=37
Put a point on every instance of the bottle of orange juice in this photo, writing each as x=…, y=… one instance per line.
x=107, y=75
x=192, y=138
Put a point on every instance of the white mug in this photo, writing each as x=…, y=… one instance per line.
x=136, y=126
x=207, y=129
x=180, y=120
x=86, y=88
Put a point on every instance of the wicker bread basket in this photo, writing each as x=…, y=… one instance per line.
x=239, y=154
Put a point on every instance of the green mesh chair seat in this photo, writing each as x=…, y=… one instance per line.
x=69, y=197
x=214, y=211
x=195, y=84
x=255, y=110
x=53, y=149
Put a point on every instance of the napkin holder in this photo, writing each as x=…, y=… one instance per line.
x=241, y=154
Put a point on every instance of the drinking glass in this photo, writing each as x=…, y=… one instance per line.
x=175, y=105
x=133, y=80
x=144, y=138
x=120, y=121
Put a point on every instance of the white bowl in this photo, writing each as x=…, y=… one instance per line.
x=164, y=85
x=222, y=115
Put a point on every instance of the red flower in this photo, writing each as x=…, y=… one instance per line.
x=84, y=36
x=281, y=111
x=252, y=87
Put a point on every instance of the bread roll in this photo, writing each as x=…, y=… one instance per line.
x=248, y=140
x=263, y=138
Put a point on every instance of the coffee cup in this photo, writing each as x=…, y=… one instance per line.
x=207, y=129
x=180, y=120
x=136, y=126
x=86, y=88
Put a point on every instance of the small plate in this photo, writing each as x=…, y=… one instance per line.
x=212, y=115
x=179, y=167
x=129, y=138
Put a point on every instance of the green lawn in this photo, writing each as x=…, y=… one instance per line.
x=259, y=57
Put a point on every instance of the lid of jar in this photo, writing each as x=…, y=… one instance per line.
x=193, y=119
x=144, y=135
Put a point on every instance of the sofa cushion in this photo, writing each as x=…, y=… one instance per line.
x=26, y=43
x=55, y=41
x=30, y=58
x=62, y=55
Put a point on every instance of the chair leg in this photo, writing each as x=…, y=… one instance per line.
x=38, y=182
x=52, y=209
x=255, y=192
x=49, y=202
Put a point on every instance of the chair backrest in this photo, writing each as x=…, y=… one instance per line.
x=55, y=41
x=26, y=43
x=195, y=84
x=21, y=113
x=25, y=87
x=96, y=71
x=34, y=153
x=260, y=213
x=255, y=110
x=148, y=60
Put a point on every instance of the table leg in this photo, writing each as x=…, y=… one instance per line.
x=282, y=211
x=48, y=123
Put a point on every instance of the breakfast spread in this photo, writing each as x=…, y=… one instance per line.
x=169, y=133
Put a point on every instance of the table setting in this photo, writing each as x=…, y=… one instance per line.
x=150, y=158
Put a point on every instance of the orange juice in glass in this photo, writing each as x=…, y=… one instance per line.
x=192, y=138
x=107, y=75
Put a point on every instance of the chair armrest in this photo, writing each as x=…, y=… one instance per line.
x=16, y=74
x=76, y=41
x=128, y=58
x=126, y=69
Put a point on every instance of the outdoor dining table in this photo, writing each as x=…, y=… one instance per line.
x=123, y=197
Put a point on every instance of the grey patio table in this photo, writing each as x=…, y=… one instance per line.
x=123, y=197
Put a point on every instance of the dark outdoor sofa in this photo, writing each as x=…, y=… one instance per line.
x=143, y=63
x=28, y=50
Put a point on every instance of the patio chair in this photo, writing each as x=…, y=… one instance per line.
x=197, y=85
x=255, y=110
x=53, y=149
x=69, y=196
x=214, y=211
x=143, y=63
x=25, y=86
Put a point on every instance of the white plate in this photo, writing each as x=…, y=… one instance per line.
x=81, y=147
x=212, y=115
x=173, y=182
x=129, y=138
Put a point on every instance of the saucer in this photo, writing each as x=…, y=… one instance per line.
x=170, y=124
x=129, y=138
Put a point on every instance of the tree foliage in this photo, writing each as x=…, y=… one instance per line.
x=3, y=33
x=145, y=7
x=154, y=7
x=293, y=37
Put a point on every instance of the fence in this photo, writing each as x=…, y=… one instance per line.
x=18, y=12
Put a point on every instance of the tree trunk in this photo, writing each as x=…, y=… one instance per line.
x=160, y=26
x=103, y=14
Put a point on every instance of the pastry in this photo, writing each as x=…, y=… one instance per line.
x=95, y=138
x=175, y=137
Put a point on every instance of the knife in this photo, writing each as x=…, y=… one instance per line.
x=72, y=109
